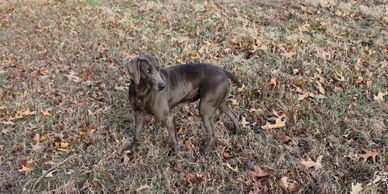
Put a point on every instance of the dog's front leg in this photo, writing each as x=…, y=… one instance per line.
x=139, y=123
x=170, y=124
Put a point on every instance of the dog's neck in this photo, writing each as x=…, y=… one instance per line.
x=140, y=90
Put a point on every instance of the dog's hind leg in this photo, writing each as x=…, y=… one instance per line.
x=232, y=115
x=207, y=111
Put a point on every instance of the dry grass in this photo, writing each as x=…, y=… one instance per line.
x=63, y=96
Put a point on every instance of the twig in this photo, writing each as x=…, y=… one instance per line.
x=53, y=168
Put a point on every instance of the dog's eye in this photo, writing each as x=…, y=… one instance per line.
x=148, y=70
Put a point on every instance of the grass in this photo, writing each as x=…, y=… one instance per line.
x=63, y=96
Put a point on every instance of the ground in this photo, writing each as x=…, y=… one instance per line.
x=312, y=109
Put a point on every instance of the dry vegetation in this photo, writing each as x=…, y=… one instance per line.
x=312, y=109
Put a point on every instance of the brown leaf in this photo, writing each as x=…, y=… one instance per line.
x=309, y=163
x=280, y=121
x=286, y=140
x=85, y=74
x=234, y=169
x=7, y=123
x=339, y=76
x=234, y=102
x=180, y=130
x=126, y=158
x=369, y=154
x=27, y=167
x=50, y=174
x=242, y=88
x=142, y=188
x=320, y=88
x=120, y=88
x=380, y=97
x=227, y=154
x=288, y=185
x=70, y=188
x=192, y=179
x=37, y=147
x=63, y=147
x=73, y=77
x=46, y=112
x=356, y=188
x=305, y=95
x=244, y=122
x=23, y=113
x=258, y=173
x=274, y=82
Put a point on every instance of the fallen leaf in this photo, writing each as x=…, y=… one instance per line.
x=339, y=76
x=70, y=186
x=274, y=82
x=256, y=111
x=380, y=96
x=192, y=179
x=305, y=95
x=46, y=112
x=286, y=140
x=379, y=176
x=120, y=88
x=320, y=88
x=50, y=174
x=234, y=169
x=180, y=130
x=7, y=123
x=356, y=188
x=24, y=113
x=295, y=71
x=142, y=188
x=368, y=154
x=241, y=89
x=319, y=96
x=244, y=122
x=258, y=173
x=280, y=121
x=227, y=154
x=63, y=146
x=85, y=74
x=234, y=102
x=288, y=185
x=73, y=77
x=309, y=163
x=37, y=147
x=126, y=157
x=27, y=167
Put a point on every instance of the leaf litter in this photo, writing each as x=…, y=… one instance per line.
x=63, y=91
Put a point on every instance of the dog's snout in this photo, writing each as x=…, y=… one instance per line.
x=161, y=85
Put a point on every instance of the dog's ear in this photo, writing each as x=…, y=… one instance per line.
x=156, y=58
x=133, y=70
x=150, y=58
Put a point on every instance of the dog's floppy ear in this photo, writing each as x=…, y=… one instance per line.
x=133, y=70
x=149, y=58
x=156, y=58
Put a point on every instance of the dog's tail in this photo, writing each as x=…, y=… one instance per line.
x=233, y=78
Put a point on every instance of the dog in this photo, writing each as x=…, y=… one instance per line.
x=158, y=90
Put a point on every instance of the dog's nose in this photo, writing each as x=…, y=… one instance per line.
x=161, y=85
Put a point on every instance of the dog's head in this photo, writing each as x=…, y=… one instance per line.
x=145, y=69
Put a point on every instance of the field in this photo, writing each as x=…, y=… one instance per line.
x=313, y=108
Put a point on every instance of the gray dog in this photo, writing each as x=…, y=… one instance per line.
x=158, y=90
